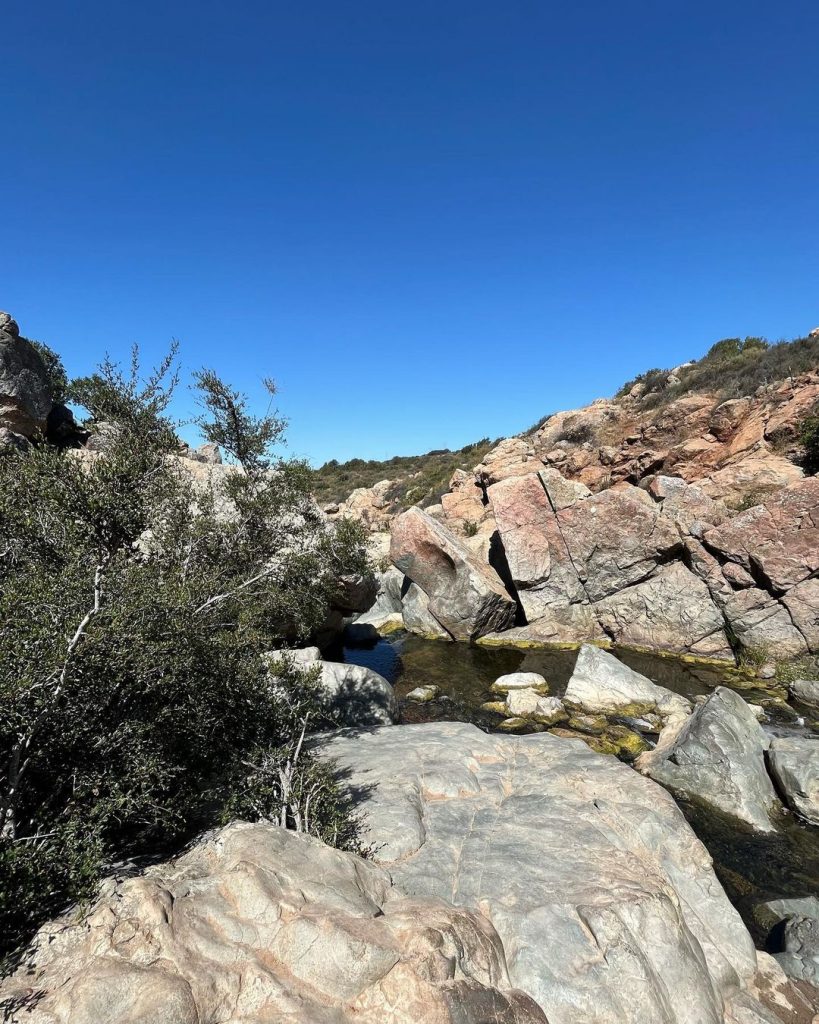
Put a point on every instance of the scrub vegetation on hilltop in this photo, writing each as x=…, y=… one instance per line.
x=418, y=479
x=731, y=368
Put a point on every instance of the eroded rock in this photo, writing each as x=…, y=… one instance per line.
x=465, y=596
x=257, y=924
x=605, y=901
x=718, y=757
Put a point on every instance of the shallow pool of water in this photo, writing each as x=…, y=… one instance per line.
x=752, y=867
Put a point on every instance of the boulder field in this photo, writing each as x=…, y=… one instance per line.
x=522, y=880
x=662, y=567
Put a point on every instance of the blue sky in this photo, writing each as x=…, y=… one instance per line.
x=429, y=222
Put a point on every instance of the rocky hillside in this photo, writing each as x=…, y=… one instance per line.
x=670, y=518
x=662, y=421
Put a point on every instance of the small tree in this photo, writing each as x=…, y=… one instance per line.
x=138, y=604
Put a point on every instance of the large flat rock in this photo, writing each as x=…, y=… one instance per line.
x=257, y=925
x=605, y=901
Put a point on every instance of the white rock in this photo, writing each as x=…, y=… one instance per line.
x=605, y=901
x=520, y=681
x=602, y=684
x=259, y=925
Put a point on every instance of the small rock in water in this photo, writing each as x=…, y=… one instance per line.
x=806, y=691
x=520, y=681
x=594, y=724
x=497, y=707
x=518, y=724
x=423, y=694
x=759, y=711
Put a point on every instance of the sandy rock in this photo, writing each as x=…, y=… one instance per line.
x=758, y=473
x=727, y=417
x=259, y=924
x=588, y=872
x=514, y=456
x=465, y=596
x=794, y=764
x=718, y=757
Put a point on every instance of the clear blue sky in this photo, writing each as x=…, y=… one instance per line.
x=429, y=221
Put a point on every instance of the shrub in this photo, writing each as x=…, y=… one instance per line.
x=136, y=611
x=577, y=433
x=55, y=371
x=417, y=479
x=470, y=528
x=809, y=439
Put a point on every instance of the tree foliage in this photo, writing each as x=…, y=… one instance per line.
x=138, y=603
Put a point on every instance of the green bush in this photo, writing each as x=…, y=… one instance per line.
x=55, y=371
x=731, y=368
x=137, y=607
x=809, y=439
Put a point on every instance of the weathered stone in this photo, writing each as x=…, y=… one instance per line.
x=536, y=553
x=794, y=763
x=718, y=757
x=352, y=694
x=465, y=596
x=800, y=956
x=738, y=577
x=513, y=456
x=806, y=691
x=259, y=924
x=530, y=704
x=778, y=539
x=759, y=621
x=569, y=624
x=588, y=872
x=11, y=441
x=727, y=417
x=25, y=398
x=417, y=617
x=615, y=539
x=423, y=694
x=388, y=599
x=562, y=493
x=802, y=602
x=601, y=683
x=520, y=681
x=672, y=610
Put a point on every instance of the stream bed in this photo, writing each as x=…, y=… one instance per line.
x=752, y=867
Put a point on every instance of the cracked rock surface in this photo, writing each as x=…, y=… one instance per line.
x=605, y=901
